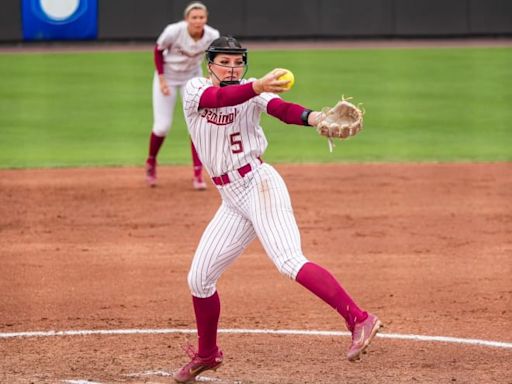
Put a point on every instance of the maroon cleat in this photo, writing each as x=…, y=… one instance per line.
x=197, y=365
x=151, y=172
x=362, y=336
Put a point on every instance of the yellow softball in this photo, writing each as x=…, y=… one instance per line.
x=287, y=76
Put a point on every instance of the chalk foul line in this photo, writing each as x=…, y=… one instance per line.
x=296, y=332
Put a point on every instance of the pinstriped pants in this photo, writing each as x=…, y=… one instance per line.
x=257, y=205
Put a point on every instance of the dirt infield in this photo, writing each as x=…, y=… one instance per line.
x=428, y=247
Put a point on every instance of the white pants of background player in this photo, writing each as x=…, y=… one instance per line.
x=257, y=205
x=163, y=106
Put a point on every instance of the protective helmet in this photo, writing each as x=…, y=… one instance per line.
x=226, y=44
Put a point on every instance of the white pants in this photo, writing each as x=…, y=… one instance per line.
x=163, y=106
x=257, y=205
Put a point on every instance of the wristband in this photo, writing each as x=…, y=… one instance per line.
x=305, y=115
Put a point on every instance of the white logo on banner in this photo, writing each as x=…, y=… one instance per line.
x=59, y=9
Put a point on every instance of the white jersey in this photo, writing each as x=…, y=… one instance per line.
x=225, y=138
x=182, y=54
x=254, y=204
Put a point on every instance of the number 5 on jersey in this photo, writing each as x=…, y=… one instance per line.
x=236, y=142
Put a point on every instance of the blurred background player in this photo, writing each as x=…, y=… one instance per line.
x=178, y=55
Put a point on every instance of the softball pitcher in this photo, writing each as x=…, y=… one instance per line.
x=223, y=118
x=177, y=55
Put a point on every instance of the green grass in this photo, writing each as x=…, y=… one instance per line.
x=80, y=109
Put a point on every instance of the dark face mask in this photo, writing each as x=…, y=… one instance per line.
x=229, y=82
x=223, y=83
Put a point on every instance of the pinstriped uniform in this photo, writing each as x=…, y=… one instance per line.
x=225, y=138
x=257, y=205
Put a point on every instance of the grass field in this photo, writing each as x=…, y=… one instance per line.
x=81, y=109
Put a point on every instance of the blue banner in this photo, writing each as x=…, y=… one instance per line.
x=60, y=19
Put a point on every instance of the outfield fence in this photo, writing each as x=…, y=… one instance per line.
x=263, y=19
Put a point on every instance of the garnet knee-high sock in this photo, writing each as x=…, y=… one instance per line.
x=320, y=281
x=198, y=166
x=207, y=312
x=155, y=142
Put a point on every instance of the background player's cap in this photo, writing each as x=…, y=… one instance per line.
x=225, y=44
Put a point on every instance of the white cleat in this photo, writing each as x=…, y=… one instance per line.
x=198, y=184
